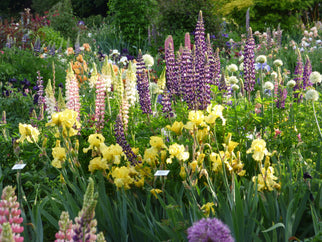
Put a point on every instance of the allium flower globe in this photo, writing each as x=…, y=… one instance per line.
x=278, y=62
x=315, y=77
x=261, y=59
x=312, y=95
x=235, y=87
x=291, y=84
x=232, y=68
x=232, y=80
x=148, y=60
x=268, y=86
x=209, y=229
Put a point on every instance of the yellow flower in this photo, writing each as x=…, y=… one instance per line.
x=177, y=151
x=206, y=208
x=67, y=120
x=196, y=118
x=266, y=180
x=97, y=164
x=216, y=162
x=151, y=155
x=94, y=141
x=140, y=182
x=194, y=165
x=122, y=177
x=176, y=127
x=28, y=132
x=183, y=173
x=214, y=113
x=202, y=134
x=155, y=191
x=112, y=153
x=59, y=154
x=258, y=149
x=157, y=142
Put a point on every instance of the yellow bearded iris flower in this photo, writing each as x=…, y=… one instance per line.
x=28, y=132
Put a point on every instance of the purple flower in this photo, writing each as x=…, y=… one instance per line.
x=209, y=230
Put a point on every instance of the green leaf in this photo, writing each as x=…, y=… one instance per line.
x=274, y=227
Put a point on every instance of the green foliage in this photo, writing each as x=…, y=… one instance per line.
x=49, y=36
x=132, y=19
x=41, y=6
x=24, y=64
x=63, y=20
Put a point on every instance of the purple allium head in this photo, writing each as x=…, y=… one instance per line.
x=209, y=229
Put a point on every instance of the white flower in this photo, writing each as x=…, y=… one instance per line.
x=232, y=68
x=274, y=74
x=312, y=95
x=148, y=60
x=89, y=35
x=241, y=66
x=315, y=77
x=234, y=87
x=241, y=58
x=261, y=59
x=268, y=86
x=232, y=80
x=115, y=52
x=278, y=62
x=123, y=60
x=291, y=84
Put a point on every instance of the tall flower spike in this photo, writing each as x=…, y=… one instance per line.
x=130, y=85
x=100, y=104
x=166, y=104
x=306, y=73
x=10, y=213
x=120, y=139
x=40, y=95
x=170, y=65
x=50, y=100
x=72, y=91
x=186, y=72
x=204, y=87
x=217, y=66
x=249, y=63
x=143, y=86
x=298, y=77
x=84, y=228
x=65, y=228
x=211, y=59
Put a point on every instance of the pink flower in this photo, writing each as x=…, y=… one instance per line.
x=277, y=132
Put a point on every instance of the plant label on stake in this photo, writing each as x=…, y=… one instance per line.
x=161, y=173
x=18, y=166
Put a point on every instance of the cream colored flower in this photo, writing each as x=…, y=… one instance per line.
x=177, y=151
x=258, y=149
x=28, y=132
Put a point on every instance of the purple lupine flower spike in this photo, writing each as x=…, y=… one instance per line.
x=298, y=77
x=249, y=63
x=211, y=59
x=143, y=86
x=120, y=139
x=282, y=95
x=306, y=74
x=217, y=67
x=170, y=65
x=166, y=104
x=186, y=73
x=204, y=92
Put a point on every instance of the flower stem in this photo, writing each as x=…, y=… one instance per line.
x=316, y=120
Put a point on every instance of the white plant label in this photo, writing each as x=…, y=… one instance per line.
x=161, y=173
x=18, y=166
